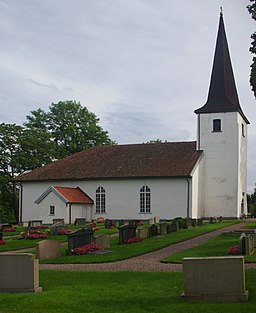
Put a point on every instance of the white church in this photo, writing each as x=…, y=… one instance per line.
x=202, y=178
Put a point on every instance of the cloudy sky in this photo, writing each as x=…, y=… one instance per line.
x=142, y=66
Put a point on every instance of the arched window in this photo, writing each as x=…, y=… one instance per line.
x=216, y=125
x=145, y=201
x=100, y=200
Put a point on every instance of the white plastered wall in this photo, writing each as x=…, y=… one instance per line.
x=169, y=198
x=223, y=178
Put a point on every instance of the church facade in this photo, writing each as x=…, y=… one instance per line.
x=202, y=178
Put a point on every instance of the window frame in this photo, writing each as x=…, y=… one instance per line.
x=145, y=200
x=216, y=125
x=52, y=210
x=100, y=202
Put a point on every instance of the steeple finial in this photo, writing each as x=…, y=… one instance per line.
x=221, y=11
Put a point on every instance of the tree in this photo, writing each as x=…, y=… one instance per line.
x=252, y=10
x=21, y=149
x=72, y=127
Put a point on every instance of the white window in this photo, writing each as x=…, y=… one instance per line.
x=145, y=200
x=100, y=200
x=52, y=209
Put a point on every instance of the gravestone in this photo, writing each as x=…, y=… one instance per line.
x=35, y=223
x=58, y=221
x=163, y=229
x=246, y=243
x=48, y=249
x=121, y=223
x=1, y=234
x=156, y=219
x=103, y=241
x=19, y=273
x=151, y=221
x=56, y=228
x=79, y=238
x=91, y=225
x=215, y=279
x=199, y=222
x=212, y=220
x=174, y=227
x=108, y=223
x=126, y=232
x=153, y=231
x=80, y=221
x=143, y=232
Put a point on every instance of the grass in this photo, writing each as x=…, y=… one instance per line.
x=13, y=243
x=217, y=246
x=126, y=292
x=250, y=225
x=121, y=252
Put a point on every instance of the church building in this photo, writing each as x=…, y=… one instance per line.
x=202, y=178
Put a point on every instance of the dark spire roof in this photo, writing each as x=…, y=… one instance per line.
x=222, y=96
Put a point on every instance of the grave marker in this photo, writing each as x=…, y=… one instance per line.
x=126, y=232
x=48, y=249
x=79, y=238
x=19, y=273
x=153, y=231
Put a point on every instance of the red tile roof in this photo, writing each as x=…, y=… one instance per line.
x=170, y=159
x=74, y=195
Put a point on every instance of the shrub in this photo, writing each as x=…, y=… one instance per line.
x=235, y=250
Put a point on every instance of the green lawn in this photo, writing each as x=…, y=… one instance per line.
x=126, y=292
x=217, y=246
x=250, y=225
x=120, y=252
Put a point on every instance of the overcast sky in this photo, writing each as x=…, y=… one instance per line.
x=142, y=66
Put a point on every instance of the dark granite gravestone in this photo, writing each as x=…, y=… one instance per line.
x=153, y=231
x=126, y=232
x=108, y=223
x=174, y=227
x=121, y=223
x=199, y=222
x=79, y=238
x=1, y=234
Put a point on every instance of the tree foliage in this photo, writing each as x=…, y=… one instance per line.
x=67, y=128
x=72, y=127
x=252, y=10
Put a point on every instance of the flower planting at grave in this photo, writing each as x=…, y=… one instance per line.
x=235, y=250
x=96, y=228
x=2, y=242
x=64, y=232
x=9, y=230
x=86, y=249
x=37, y=236
x=40, y=227
x=133, y=240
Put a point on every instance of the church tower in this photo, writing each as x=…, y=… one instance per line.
x=222, y=136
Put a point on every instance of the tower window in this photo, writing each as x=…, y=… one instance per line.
x=243, y=133
x=216, y=125
x=100, y=200
x=145, y=201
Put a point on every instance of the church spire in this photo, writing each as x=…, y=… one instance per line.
x=222, y=96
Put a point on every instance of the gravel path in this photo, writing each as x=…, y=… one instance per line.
x=149, y=262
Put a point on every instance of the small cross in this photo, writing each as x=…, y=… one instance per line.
x=221, y=11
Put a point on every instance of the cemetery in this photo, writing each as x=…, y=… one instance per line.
x=122, y=239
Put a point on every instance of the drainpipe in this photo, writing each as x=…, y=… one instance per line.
x=20, y=203
x=70, y=213
x=188, y=197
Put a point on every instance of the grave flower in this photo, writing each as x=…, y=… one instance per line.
x=235, y=250
x=9, y=230
x=133, y=240
x=2, y=242
x=64, y=232
x=86, y=249
x=36, y=236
